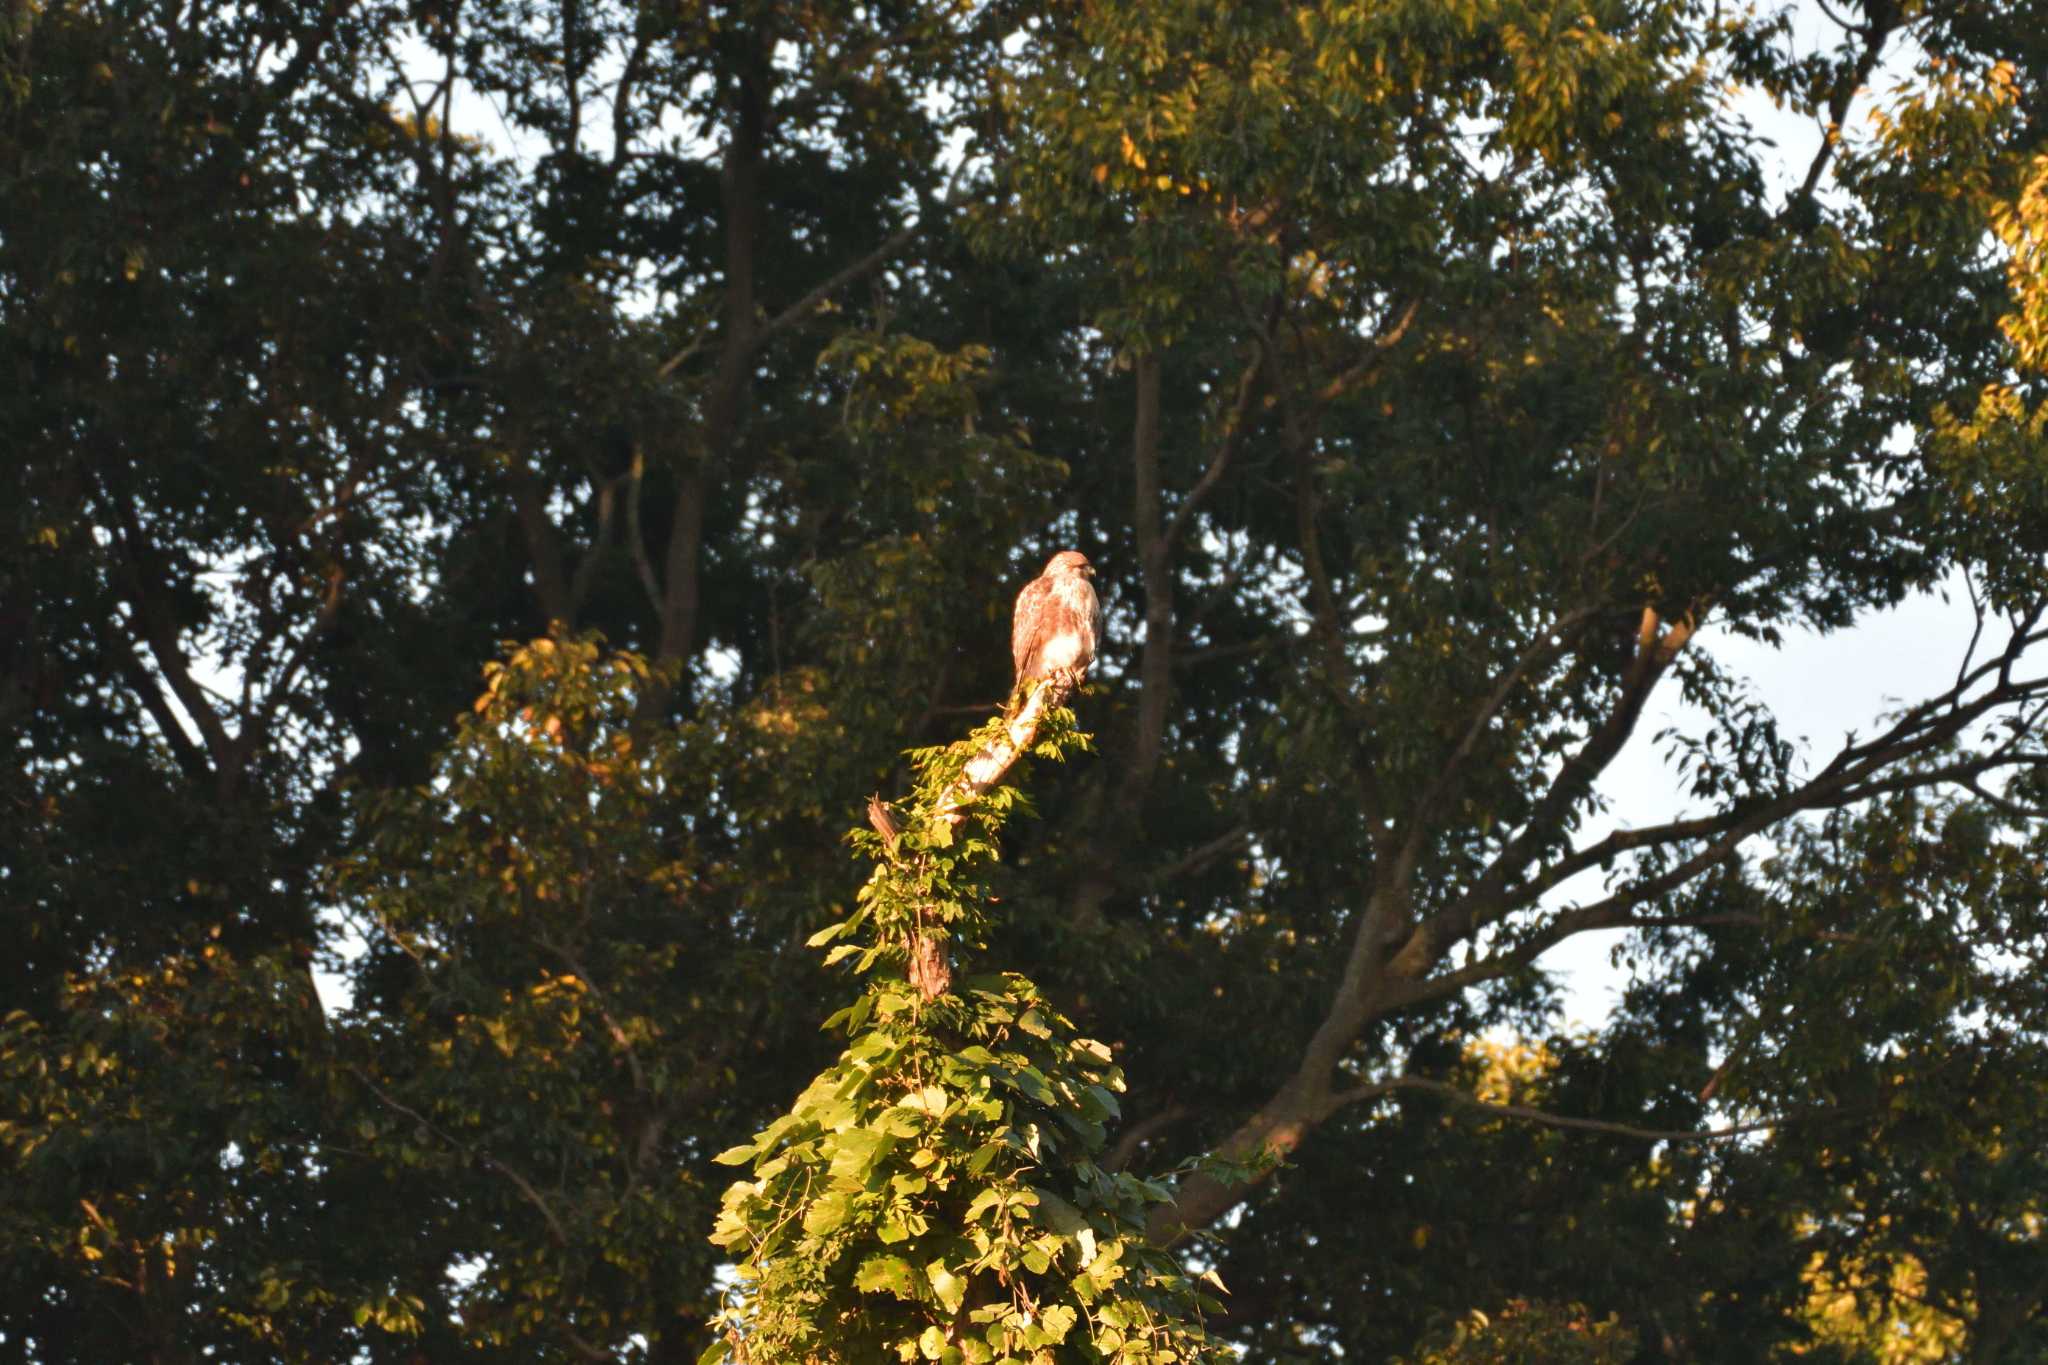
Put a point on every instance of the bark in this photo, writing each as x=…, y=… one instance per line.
x=1280, y=1126
x=1999, y=1321
x=155, y=631
x=1389, y=953
x=928, y=969
x=1157, y=536
x=740, y=194
x=1394, y=964
x=1020, y=732
x=544, y=549
x=1155, y=556
x=679, y=597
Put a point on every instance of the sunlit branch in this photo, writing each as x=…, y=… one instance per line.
x=1388, y=338
x=987, y=767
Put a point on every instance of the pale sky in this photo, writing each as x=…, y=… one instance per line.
x=1820, y=687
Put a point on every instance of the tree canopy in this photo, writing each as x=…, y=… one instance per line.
x=1432, y=384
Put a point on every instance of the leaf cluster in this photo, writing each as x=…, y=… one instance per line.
x=938, y=1192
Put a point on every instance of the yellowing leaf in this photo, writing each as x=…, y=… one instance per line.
x=886, y=1274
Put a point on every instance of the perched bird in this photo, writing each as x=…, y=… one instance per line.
x=1057, y=623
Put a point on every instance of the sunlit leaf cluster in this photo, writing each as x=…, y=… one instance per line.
x=939, y=1192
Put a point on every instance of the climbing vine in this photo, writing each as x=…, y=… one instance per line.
x=939, y=1191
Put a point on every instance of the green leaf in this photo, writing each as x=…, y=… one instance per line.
x=1087, y=1049
x=828, y=1213
x=1031, y=1082
x=900, y=1123
x=1098, y=1104
x=825, y=935
x=949, y=1288
x=981, y=1203
x=1057, y=1215
x=854, y=1153
x=887, y=1274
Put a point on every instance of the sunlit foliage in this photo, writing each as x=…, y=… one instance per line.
x=1441, y=389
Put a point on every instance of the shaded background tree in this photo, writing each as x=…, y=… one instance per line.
x=1431, y=383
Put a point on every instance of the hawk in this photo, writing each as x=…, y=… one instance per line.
x=1057, y=622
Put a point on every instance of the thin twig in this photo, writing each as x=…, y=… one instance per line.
x=1459, y=1096
x=1233, y=437
x=520, y=1182
x=1202, y=854
x=1381, y=344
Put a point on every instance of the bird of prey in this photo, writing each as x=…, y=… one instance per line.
x=1057, y=623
